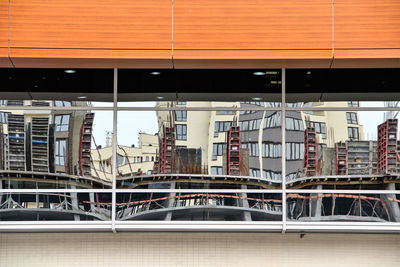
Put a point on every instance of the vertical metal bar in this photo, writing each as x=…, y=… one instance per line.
x=114, y=155
x=283, y=159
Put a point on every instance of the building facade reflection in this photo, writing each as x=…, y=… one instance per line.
x=202, y=149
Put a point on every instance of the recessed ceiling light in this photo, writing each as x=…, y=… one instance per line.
x=160, y=97
x=308, y=72
x=70, y=71
x=82, y=97
x=256, y=98
x=155, y=73
x=259, y=73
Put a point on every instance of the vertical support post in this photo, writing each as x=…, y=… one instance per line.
x=92, y=200
x=75, y=203
x=1, y=187
x=283, y=159
x=114, y=155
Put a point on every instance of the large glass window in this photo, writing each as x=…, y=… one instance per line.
x=168, y=154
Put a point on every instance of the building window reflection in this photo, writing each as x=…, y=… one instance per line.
x=62, y=122
x=353, y=133
x=181, y=132
x=216, y=170
x=120, y=160
x=218, y=149
x=61, y=148
x=351, y=117
x=221, y=126
x=62, y=103
x=181, y=115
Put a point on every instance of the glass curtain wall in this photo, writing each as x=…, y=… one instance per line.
x=178, y=162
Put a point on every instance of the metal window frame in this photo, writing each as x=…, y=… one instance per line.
x=282, y=226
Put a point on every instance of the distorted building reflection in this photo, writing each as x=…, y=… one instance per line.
x=201, y=150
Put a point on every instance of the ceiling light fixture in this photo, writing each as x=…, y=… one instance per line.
x=70, y=71
x=82, y=97
x=258, y=73
x=256, y=98
x=160, y=97
x=155, y=73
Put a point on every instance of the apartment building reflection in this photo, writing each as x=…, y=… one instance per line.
x=202, y=149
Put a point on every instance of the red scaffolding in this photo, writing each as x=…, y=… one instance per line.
x=387, y=146
x=85, y=144
x=341, y=158
x=311, y=146
x=167, y=145
x=233, y=156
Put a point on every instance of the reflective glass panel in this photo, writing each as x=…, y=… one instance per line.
x=334, y=207
x=54, y=148
x=198, y=206
x=55, y=206
x=209, y=149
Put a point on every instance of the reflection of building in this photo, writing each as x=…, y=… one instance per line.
x=260, y=133
x=334, y=126
x=42, y=140
x=205, y=130
x=130, y=160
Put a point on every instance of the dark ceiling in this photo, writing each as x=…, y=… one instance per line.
x=210, y=85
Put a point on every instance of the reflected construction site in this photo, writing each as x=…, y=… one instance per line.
x=215, y=149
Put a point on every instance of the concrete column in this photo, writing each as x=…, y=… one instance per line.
x=316, y=204
x=91, y=199
x=393, y=207
x=371, y=155
x=1, y=194
x=245, y=204
x=75, y=205
x=170, y=203
x=37, y=201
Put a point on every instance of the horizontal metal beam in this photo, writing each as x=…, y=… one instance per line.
x=272, y=191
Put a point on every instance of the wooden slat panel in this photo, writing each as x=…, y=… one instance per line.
x=367, y=58
x=3, y=24
x=4, y=60
x=252, y=58
x=367, y=24
x=89, y=24
x=90, y=58
x=252, y=24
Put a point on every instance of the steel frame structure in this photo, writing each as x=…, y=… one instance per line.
x=311, y=151
x=387, y=146
x=278, y=226
x=341, y=158
x=234, y=148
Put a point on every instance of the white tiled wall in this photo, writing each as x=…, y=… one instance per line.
x=198, y=249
